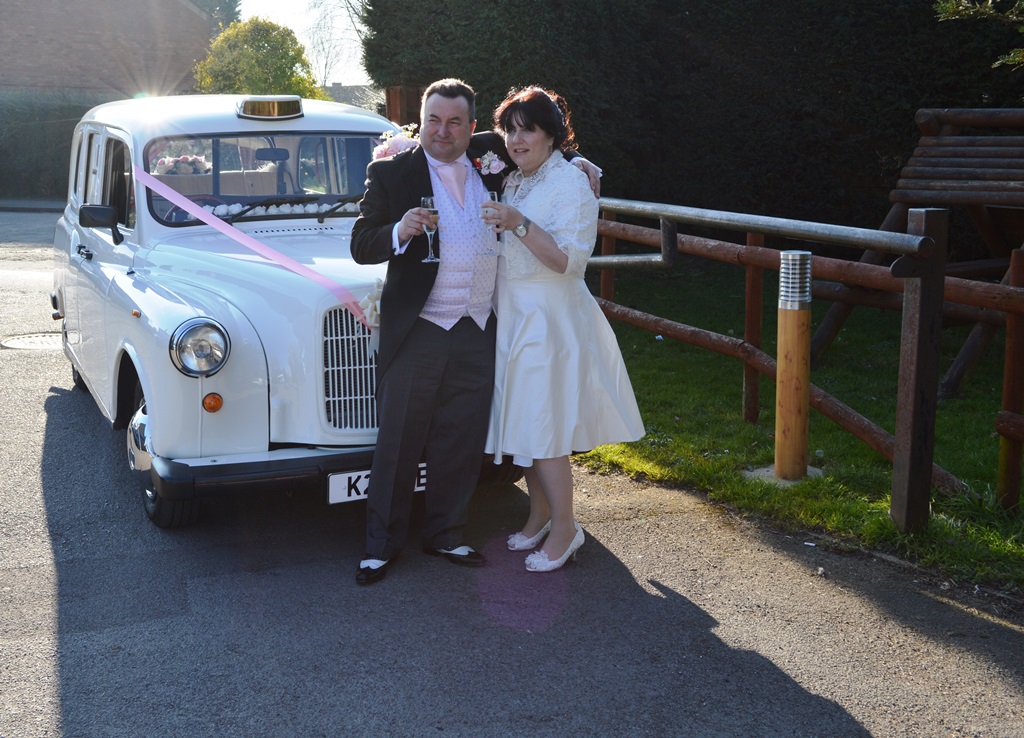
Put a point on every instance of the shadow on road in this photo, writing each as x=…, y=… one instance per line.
x=250, y=623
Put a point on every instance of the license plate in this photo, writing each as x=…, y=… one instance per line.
x=352, y=486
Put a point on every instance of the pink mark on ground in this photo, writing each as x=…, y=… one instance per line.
x=515, y=598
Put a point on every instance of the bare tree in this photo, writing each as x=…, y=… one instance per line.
x=335, y=36
x=325, y=52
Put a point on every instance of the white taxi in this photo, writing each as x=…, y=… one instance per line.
x=207, y=296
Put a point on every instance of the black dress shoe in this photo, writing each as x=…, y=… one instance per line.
x=369, y=575
x=461, y=555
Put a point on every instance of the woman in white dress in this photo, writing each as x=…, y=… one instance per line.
x=560, y=382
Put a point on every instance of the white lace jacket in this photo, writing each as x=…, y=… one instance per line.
x=558, y=198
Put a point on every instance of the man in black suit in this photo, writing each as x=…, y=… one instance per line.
x=435, y=365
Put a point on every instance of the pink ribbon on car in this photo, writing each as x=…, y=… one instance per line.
x=344, y=296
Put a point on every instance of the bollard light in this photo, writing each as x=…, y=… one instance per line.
x=793, y=370
x=795, y=280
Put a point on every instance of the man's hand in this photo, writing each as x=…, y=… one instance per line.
x=593, y=174
x=412, y=224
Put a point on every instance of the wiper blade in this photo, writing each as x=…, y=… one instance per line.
x=271, y=201
x=337, y=206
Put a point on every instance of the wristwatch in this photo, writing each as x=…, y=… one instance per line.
x=522, y=229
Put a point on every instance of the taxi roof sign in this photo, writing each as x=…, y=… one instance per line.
x=270, y=107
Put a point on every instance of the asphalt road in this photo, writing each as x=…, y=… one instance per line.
x=678, y=619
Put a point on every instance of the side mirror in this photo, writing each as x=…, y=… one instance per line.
x=100, y=216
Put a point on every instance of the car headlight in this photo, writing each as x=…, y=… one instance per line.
x=199, y=347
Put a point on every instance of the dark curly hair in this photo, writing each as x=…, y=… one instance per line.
x=532, y=107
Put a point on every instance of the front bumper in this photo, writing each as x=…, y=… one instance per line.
x=282, y=470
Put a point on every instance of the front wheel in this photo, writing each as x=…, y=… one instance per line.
x=162, y=512
x=76, y=377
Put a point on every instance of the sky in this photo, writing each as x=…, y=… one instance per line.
x=297, y=16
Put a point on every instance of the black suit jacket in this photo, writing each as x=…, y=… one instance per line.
x=393, y=186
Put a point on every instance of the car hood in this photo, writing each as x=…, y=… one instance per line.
x=208, y=269
x=203, y=255
x=204, y=258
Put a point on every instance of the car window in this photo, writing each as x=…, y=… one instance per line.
x=92, y=181
x=75, y=180
x=260, y=176
x=117, y=182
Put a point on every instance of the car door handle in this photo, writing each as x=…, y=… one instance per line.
x=84, y=252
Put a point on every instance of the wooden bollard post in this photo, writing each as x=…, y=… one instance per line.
x=793, y=374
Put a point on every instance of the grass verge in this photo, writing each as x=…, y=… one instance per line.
x=691, y=402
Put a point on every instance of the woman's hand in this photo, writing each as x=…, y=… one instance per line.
x=501, y=217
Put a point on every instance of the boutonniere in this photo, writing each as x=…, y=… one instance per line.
x=489, y=163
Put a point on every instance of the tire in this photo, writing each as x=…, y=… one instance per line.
x=494, y=475
x=76, y=377
x=163, y=513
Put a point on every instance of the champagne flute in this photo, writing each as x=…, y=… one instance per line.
x=428, y=203
x=492, y=196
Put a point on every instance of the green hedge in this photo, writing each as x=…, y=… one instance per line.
x=35, y=140
x=799, y=109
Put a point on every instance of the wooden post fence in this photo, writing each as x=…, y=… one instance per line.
x=1010, y=444
x=753, y=324
x=918, y=391
x=608, y=275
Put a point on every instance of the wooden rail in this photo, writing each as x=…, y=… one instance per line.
x=918, y=284
x=873, y=436
x=957, y=291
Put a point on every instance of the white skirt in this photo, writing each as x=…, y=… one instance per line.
x=560, y=385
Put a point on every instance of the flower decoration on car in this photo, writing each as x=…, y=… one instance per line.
x=392, y=142
x=371, y=315
x=489, y=163
x=184, y=164
x=371, y=305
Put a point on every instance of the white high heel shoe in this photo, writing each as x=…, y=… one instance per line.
x=539, y=561
x=519, y=542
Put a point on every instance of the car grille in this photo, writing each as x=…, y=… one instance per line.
x=350, y=372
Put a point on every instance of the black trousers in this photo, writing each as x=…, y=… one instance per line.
x=435, y=398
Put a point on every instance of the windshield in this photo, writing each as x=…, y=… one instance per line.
x=296, y=175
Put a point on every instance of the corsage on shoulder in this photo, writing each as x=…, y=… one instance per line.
x=489, y=163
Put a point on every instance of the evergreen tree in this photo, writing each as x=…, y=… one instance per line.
x=600, y=55
x=1008, y=13
x=803, y=109
x=222, y=14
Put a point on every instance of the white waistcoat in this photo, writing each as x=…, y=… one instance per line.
x=466, y=274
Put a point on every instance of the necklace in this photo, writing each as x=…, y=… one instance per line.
x=524, y=184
